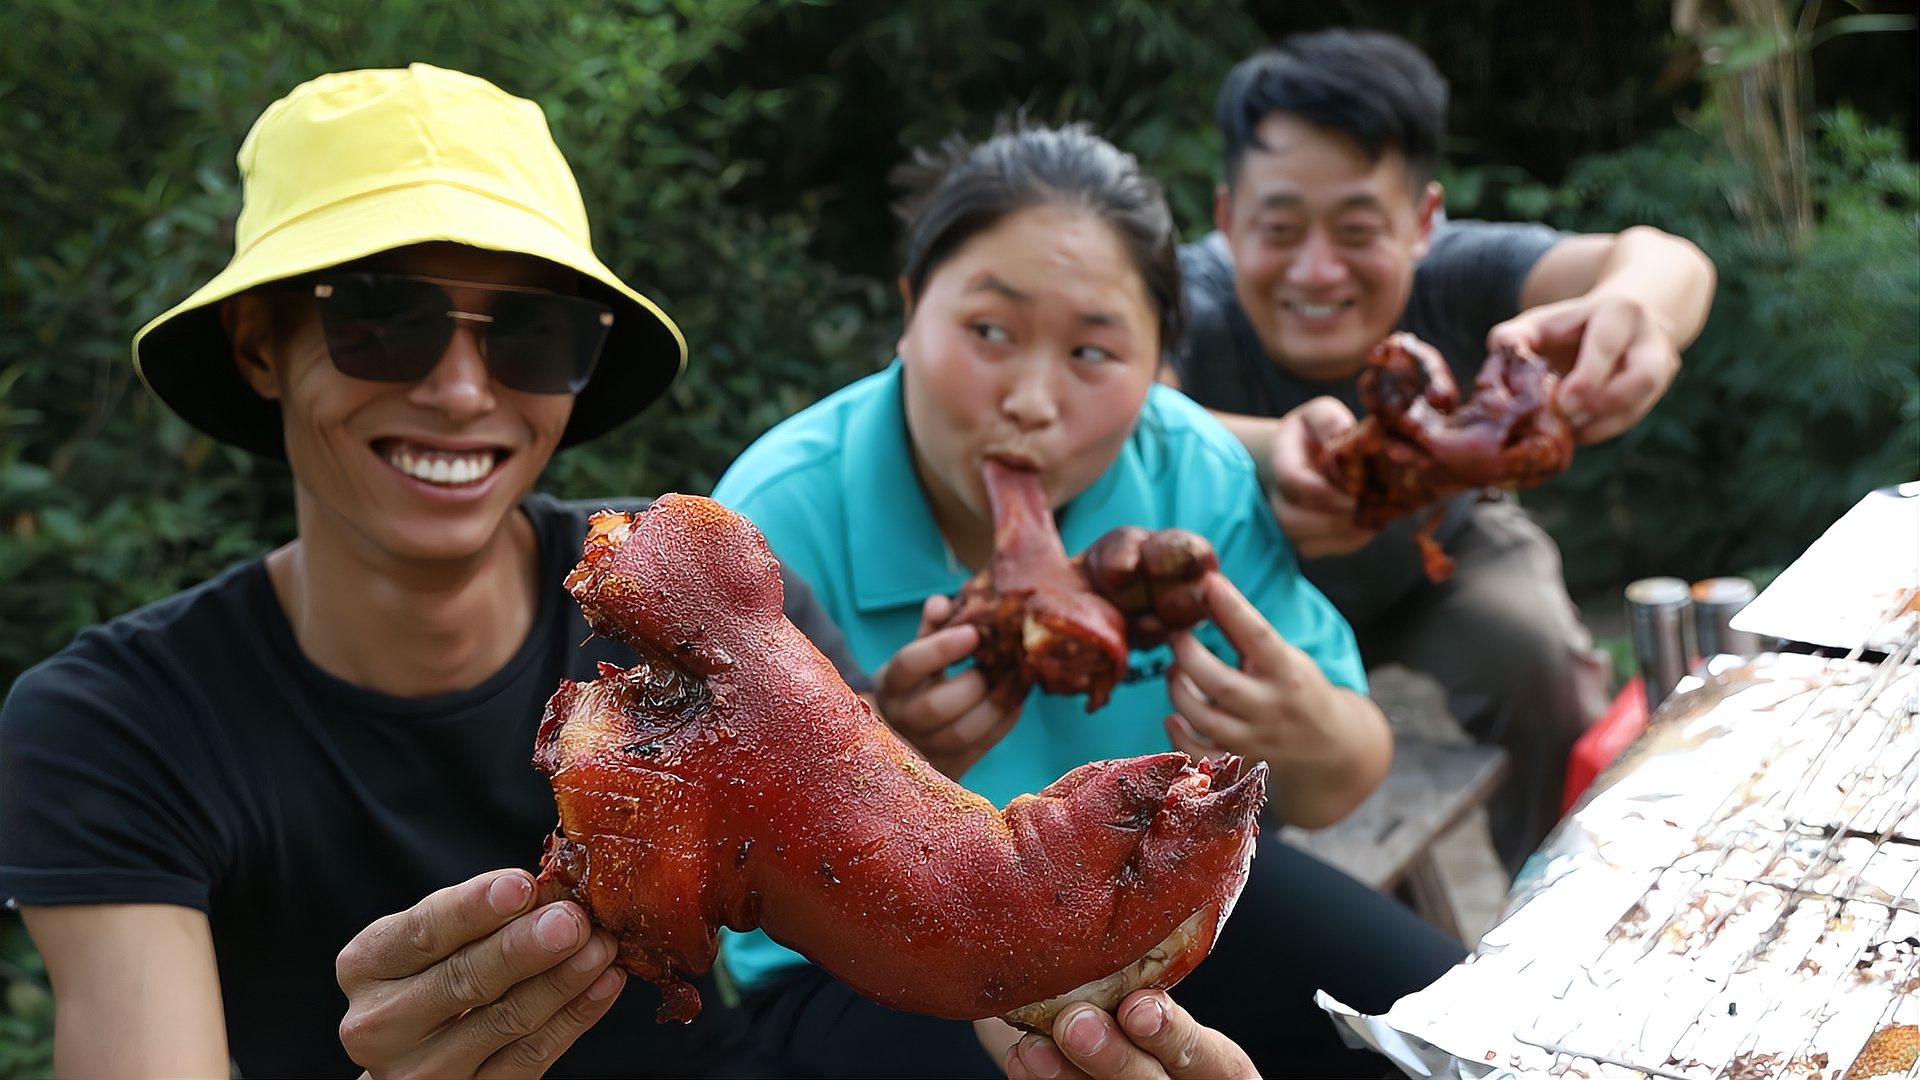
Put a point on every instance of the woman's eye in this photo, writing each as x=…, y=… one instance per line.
x=1093, y=352
x=988, y=332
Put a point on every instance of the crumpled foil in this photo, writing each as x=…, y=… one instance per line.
x=1736, y=897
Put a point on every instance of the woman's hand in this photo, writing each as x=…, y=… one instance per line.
x=1148, y=1037
x=470, y=982
x=1316, y=516
x=1328, y=747
x=952, y=720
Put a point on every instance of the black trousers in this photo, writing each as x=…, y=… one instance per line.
x=1300, y=926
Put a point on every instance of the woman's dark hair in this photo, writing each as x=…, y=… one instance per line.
x=962, y=190
x=1375, y=87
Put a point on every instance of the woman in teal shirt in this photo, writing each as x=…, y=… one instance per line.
x=1041, y=286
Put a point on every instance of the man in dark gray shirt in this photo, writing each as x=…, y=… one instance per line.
x=1330, y=237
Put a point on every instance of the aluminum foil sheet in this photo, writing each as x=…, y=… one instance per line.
x=1738, y=896
x=1855, y=586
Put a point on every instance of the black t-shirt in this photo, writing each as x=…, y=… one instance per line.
x=189, y=753
x=1469, y=281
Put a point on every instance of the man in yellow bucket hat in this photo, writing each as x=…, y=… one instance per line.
x=300, y=791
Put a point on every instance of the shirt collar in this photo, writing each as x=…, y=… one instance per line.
x=898, y=554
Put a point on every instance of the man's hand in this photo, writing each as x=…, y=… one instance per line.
x=1148, y=1037
x=1616, y=353
x=952, y=721
x=1316, y=516
x=469, y=982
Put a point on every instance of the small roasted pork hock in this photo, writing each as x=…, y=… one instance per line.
x=732, y=779
x=1419, y=444
x=1066, y=624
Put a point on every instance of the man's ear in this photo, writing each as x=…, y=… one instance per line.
x=249, y=325
x=1223, y=209
x=1429, y=211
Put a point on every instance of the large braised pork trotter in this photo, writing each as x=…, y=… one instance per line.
x=732, y=779
x=1066, y=624
x=1419, y=444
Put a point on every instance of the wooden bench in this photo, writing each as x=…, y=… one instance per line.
x=1388, y=841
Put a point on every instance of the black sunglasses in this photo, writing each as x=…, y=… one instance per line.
x=396, y=327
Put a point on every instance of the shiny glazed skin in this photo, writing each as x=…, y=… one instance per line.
x=1064, y=624
x=1419, y=444
x=732, y=778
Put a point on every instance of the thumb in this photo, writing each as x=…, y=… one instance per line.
x=1553, y=331
x=1324, y=418
x=1155, y=1023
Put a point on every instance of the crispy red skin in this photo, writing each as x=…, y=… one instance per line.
x=1419, y=444
x=1063, y=624
x=733, y=779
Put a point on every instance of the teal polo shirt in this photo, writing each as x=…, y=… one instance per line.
x=834, y=489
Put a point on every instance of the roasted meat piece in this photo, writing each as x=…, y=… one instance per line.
x=1066, y=624
x=731, y=778
x=1419, y=444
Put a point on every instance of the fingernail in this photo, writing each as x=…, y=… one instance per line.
x=1085, y=1034
x=557, y=930
x=1041, y=1057
x=509, y=894
x=1147, y=1018
x=606, y=985
x=594, y=955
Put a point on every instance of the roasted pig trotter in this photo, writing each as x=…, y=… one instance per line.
x=1066, y=624
x=1156, y=579
x=1419, y=444
x=1039, y=620
x=732, y=779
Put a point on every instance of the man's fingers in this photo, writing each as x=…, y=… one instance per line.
x=481, y=973
x=1094, y=1043
x=409, y=942
x=1608, y=333
x=564, y=1003
x=1035, y=1058
x=1296, y=456
x=1630, y=389
x=1315, y=533
x=1513, y=334
x=1156, y=1024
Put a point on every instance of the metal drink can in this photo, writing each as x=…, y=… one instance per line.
x=1715, y=602
x=1660, y=619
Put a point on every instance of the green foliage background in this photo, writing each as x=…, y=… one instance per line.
x=732, y=154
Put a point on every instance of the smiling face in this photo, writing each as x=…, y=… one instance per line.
x=417, y=471
x=1034, y=342
x=1324, y=244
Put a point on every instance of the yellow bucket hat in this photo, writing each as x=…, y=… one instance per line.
x=356, y=163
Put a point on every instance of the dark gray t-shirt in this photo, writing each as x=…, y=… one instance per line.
x=1469, y=281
